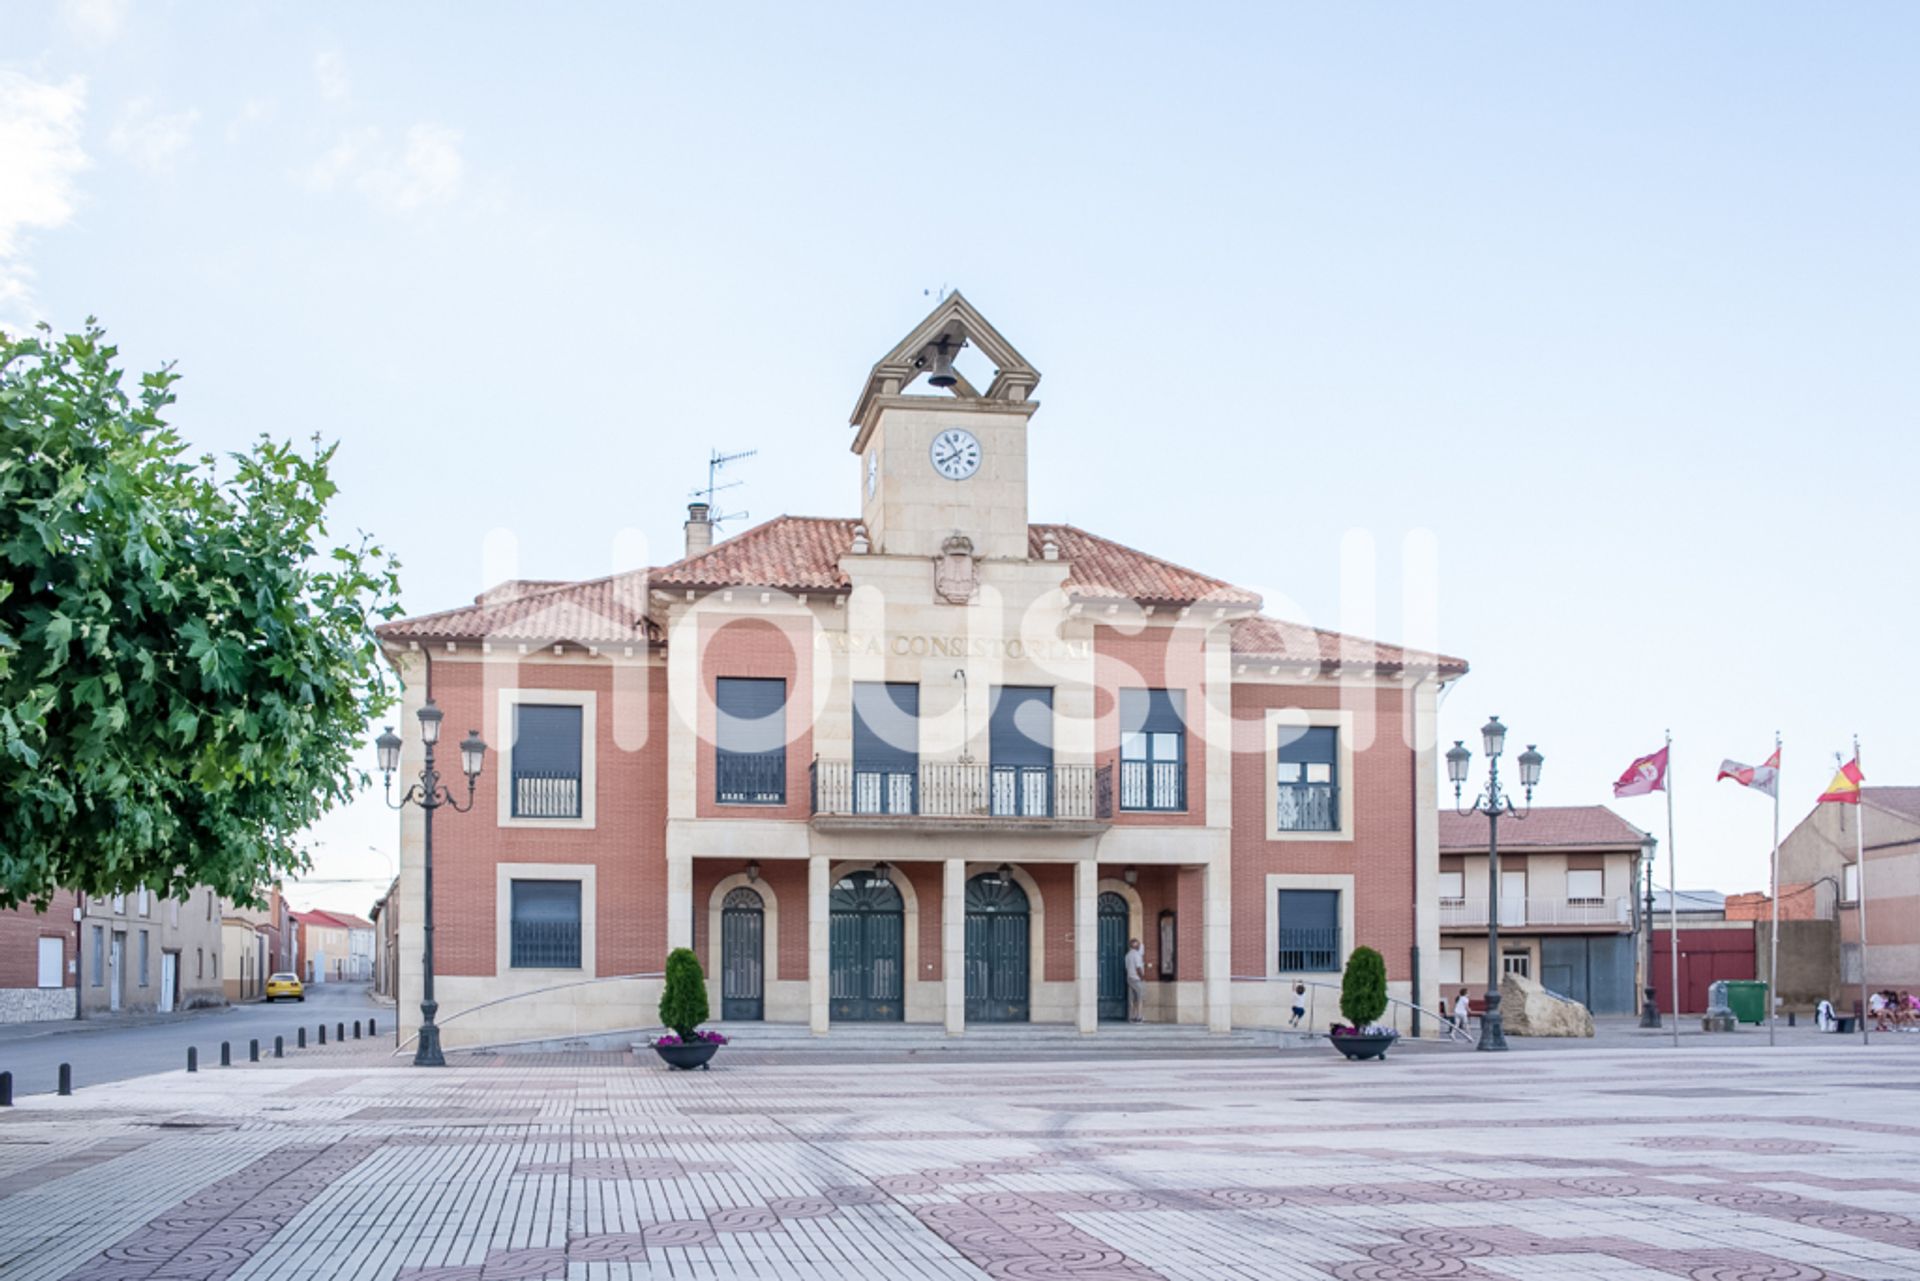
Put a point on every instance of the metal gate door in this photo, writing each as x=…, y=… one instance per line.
x=1114, y=919
x=867, y=948
x=742, y=955
x=997, y=945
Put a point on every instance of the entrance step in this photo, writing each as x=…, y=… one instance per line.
x=997, y=1038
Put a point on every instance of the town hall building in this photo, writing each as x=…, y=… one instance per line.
x=934, y=762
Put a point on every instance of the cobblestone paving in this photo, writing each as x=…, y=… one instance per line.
x=1713, y=1165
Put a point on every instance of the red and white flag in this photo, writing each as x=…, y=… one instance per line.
x=1648, y=774
x=1761, y=778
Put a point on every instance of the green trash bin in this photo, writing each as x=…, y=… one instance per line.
x=1747, y=998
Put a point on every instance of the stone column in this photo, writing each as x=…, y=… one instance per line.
x=1086, y=939
x=953, y=943
x=1217, y=936
x=819, y=940
x=679, y=901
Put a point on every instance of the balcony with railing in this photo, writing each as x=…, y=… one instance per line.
x=546, y=795
x=962, y=793
x=546, y=945
x=1613, y=913
x=1307, y=807
x=750, y=778
x=1309, y=951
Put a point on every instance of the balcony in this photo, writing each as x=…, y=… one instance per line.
x=546, y=795
x=750, y=778
x=1539, y=913
x=954, y=795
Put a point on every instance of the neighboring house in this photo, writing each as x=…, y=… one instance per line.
x=337, y=946
x=1810, y=961
x=931, y=762
x=1821, y=850
x=39, y=961
x=244, y=957
x=386, y=925
x=1714, y=945
x=273, y=952
x=1568, y=903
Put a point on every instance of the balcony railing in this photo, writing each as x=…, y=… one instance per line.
x=1307, y=807
x=750, y=778
x=546, y=945
x=1309, y=950
x=964, y=789
x=1153, y=785
x=552, y=795
x=1538, y=911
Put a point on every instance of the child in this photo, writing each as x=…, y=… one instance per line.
x=1461, y=1009
x=1299, y=1004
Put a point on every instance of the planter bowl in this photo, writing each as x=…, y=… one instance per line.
x=1363, y=1047
x=687, y=1057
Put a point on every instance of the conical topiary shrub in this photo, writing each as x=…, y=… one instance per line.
x=1363, y=988
x=683, y=1005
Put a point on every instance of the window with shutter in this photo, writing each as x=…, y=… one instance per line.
x=1309, y=798
x=1309, y=931
x=750, y=740
x=1153, y=749
x=886, y=747
x=546, y=760
x=545, y=925
x=1020, y=750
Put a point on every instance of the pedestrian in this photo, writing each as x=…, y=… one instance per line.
x=1462, y=1010
x=1136, y=982
x=1299, y=1004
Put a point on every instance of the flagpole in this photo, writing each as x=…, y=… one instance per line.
x=1673, y=898
x=1860, y=882
x=1773, y=962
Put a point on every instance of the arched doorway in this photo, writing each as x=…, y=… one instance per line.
x=997, y=946
x=867, y=949
x=1115, y=917
x=743, y=988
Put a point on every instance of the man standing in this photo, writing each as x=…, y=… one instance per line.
x=1136, y=982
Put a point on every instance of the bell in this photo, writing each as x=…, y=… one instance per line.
x=940, y=369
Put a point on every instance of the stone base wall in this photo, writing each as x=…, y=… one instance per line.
x=35, y=1004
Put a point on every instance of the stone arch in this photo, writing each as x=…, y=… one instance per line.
x=770, y=940
x=1136, y=913
x=1036, y=927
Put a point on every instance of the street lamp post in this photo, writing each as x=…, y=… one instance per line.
x=1649, y=1007
x=1493, y=803
x=430, y=794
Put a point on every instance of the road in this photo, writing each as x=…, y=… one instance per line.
x=102, y=1050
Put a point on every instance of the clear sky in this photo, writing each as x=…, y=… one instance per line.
x=1615, y=303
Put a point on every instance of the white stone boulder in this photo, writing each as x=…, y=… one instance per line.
x=1527, y=1009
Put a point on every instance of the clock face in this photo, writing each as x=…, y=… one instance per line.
x=955, y=454
x=873, y=472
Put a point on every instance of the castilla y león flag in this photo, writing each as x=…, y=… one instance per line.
x=1761, y=778
x=1648, y=774
x=1845, y=787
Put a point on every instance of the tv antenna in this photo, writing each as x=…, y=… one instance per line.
x=715, y=462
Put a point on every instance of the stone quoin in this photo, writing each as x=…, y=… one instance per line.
x=933, y=763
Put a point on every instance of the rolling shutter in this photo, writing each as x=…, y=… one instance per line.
x=1020, y=727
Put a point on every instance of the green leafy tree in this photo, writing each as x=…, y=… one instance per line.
x=683, y=1003
x=1363, y=987
x=187, y=668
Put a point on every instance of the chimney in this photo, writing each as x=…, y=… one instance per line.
x=699, y=528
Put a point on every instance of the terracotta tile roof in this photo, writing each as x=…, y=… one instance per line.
x=1547, y=827
x=599, y=611
x=789, y=553
x=1904, y=801
x=1102, y=569
x=1262, y=637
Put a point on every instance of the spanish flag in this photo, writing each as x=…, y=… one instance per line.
x=1845, y=787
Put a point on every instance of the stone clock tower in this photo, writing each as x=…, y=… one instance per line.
x=952, y=464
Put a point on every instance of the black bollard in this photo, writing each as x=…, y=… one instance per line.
x=371, y=1029
x=1789, y=1018
x=323, y=1034
x=6, y=1089
x=253, y=1050
x=226, y=1054
x=301, y=1044
x=279, y=1048
x=356, y=1029
x=193, y=1058
x=66, y=1078
x=339, y=1031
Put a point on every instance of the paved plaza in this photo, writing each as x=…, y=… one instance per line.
x=1714, y=1163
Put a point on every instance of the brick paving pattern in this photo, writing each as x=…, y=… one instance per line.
x=1734, y=1164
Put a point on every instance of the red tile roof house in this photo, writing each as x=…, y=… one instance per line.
x=1570, y=904
x=335, y=947
x=932, y=764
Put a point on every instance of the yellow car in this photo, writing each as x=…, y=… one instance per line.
x=279, y=985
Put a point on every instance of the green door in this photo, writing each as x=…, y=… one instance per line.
x=996, y=951
x=742, y=955
x=1114, y=919
x=867, y=947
